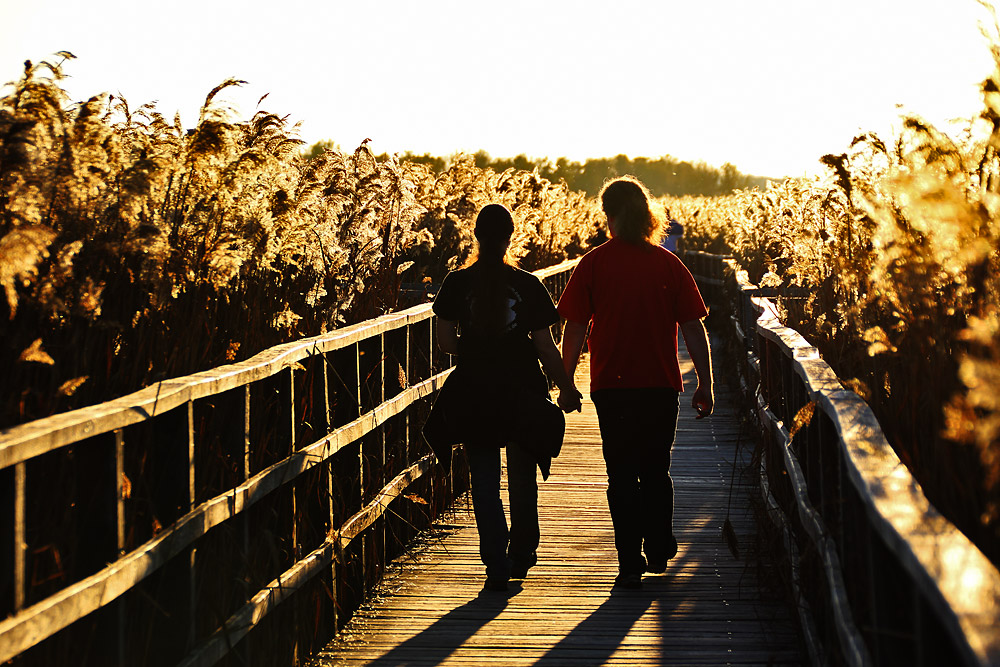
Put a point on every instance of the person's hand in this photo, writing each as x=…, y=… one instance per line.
x=570, y=400
x=703, y=402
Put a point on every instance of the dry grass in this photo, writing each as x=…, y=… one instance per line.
x=134, y=249
x=899, y=249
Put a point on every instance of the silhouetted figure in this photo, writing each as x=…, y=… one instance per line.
x=674, y=233
x=497, y=319
x=634, y=293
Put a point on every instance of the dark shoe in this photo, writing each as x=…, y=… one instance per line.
x=657, y=564
x=628, y=580
x=519, y=569
x=495, y=584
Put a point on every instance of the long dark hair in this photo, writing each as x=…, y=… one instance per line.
x=494, y=226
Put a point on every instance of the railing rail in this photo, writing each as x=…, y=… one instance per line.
x=301, y=450
x=880, y=576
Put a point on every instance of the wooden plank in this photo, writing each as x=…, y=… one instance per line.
x=706, y=609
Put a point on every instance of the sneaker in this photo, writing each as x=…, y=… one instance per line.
x=495, y=584
x=628, y=580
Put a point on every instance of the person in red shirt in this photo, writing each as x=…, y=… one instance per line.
x=633, y=294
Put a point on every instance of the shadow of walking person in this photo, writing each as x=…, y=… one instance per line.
x=437, y=642
x=599, y=636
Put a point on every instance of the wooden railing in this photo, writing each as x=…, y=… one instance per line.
x=167, y=526
x=879, y=576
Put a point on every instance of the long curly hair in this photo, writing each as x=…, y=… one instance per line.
x=637, y=219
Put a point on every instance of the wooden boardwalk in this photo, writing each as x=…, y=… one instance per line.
x=706, y=609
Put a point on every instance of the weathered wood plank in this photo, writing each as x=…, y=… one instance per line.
x=706, y=609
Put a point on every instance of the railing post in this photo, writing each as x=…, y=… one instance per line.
x=20, y=539
x=291, y=450
x=291, y=409
x=336, y=552
x=361, y=464
x=383, y=557
x=326, y=394
x=246, y=432
x=120, y=489
x=328, y=466
x=918, y=637
x=331, y=516
x=841, y=502
x=296, y=551
x=246, y=515
x=408, y=456
x=875, y=630
x=120, y=521
x=192, y=588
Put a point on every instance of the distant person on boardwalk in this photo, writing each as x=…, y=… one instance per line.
x=497, y=319
x=674, y=233
x=634, y=294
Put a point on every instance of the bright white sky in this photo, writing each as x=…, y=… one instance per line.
x=769, y=85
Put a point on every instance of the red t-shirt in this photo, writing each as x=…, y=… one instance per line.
x=636, y=297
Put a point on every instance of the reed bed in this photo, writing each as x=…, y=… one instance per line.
x=898, y=249
x=133, y=249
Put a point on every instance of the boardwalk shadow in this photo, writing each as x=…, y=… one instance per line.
x=435, y=644
x=599, y=635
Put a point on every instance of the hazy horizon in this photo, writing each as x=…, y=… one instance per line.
x=768, y=87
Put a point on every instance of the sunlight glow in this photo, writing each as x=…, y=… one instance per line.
x=769, y=86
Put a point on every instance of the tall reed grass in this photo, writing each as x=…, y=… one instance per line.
x=133, y=248
x=898, y=246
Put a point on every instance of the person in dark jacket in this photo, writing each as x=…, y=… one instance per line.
x=497, y=319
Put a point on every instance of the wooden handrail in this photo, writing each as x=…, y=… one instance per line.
x=26, y=441
x=20, y=445
x=19, y=632
x=250, y=615
x=955, y=583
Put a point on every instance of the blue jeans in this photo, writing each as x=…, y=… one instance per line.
x=498, y=546
x=637, y=432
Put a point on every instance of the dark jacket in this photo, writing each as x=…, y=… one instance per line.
x=497, y=414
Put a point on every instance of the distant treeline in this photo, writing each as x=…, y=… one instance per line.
x=663, y=176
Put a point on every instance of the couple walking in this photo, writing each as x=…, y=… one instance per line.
x=633, y=295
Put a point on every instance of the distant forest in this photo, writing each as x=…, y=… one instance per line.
x=662, y=175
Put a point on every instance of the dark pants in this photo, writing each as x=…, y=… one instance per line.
x=498, y=546
x=637, y=430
